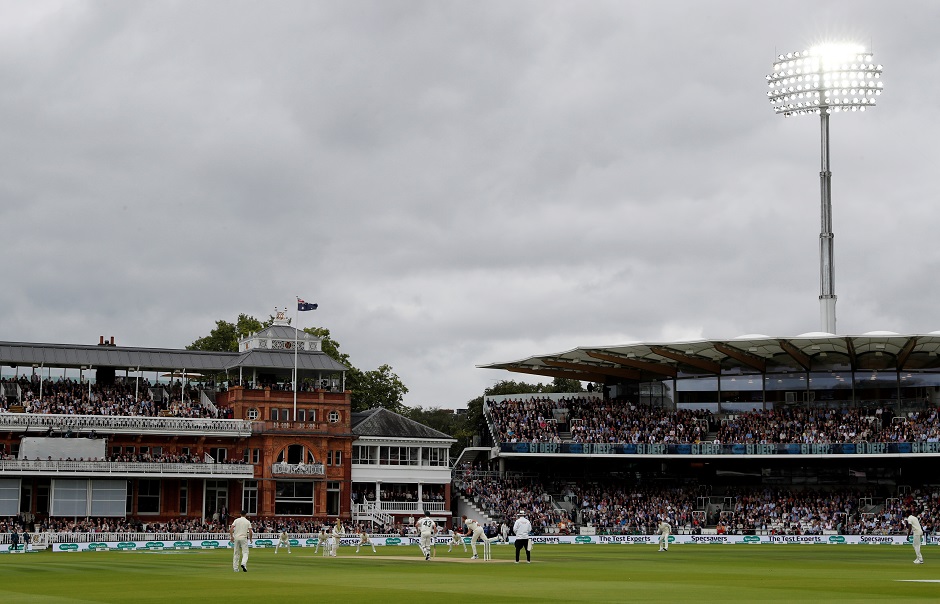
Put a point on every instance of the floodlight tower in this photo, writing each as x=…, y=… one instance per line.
x=826, y=79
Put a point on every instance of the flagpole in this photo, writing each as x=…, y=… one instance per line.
x=296, y=329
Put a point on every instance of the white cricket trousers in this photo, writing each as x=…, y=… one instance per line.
x=916, y=540
x=240, y=552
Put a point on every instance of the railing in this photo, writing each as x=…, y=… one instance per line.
x=260, y=394
x=127, y=424
x=207, y=403
x=260, y=427
x=466, y=475
x=368, y=511
x=862, y=448
x=125, y=468
x=313, y=469
x=398, y=507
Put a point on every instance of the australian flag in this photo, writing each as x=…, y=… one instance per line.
x=301, y=305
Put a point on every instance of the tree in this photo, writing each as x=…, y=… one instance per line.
x=461, y=426
x=377, y=388
x=474, y=420
x=510, y=387
x=444, y=420
x=561, y=385
x=329, y=345
x=225, y=336
x=558, y=386
x=370, y=389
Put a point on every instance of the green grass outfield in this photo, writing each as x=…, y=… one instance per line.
x=558, y=573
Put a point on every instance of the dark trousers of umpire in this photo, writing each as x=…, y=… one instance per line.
x=522, y=544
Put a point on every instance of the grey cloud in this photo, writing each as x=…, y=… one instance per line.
x=455, y=183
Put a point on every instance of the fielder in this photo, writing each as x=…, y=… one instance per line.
x=475, y=532
x=456, y=539
x=240, y=532
x=426, y=529
x=283, y=542
x=664, y=529
x=504, y=532
x=364, y=540
x=916, y=532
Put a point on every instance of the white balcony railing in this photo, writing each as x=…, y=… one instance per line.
x=398, y=507
x=207, y=403
x=123, y=468
x=125, y=424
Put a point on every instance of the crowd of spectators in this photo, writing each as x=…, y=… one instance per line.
x=786, y=511
x=615, y=508
x=597, y=420
x=593, y=420
x=367, y=495
x=139, y=458
x=816, y=512
x=503, y=498
x=525, y=420
x=819, y=426
x=612, y=421
x=609, y=507
x=214, y=524
x=73, y=397
x=160, y=458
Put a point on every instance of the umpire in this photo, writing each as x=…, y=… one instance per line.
x=521, y=529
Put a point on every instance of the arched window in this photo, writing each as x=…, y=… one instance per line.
x=296, y=454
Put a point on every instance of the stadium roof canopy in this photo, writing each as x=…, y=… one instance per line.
x=744, y=355
x=20, y=354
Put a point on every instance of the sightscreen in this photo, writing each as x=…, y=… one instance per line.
x=82, y=498
x=9, y=496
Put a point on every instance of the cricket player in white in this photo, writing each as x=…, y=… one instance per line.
x=916, y=532
x=240, y=533
x=426, y=530
x=456, y=539
x=323, y=540
x=364, y=540
x=284, y=541
x=475, y=532
x=504, y=532
x=664, y=529
x=338, y=532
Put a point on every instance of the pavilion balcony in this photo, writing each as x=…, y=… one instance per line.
x=124, y=424
x=101, y=469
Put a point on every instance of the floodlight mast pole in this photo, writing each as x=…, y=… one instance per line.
x=826, y=79
x=827, y=262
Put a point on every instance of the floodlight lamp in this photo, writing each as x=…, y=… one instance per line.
x=837, y=51
x=844, y=73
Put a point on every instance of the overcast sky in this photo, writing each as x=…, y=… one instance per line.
x=455, y=183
